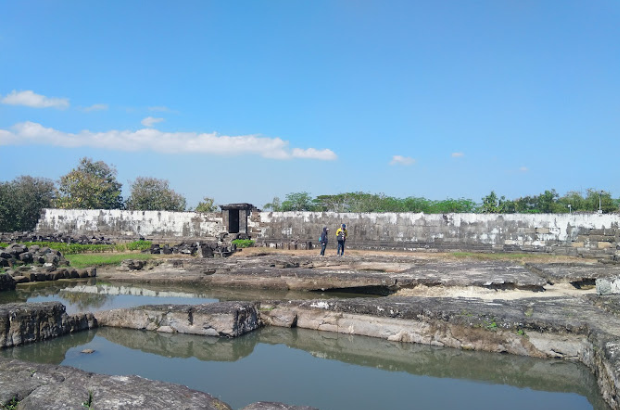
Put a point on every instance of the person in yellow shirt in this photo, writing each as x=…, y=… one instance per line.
x=341, y=236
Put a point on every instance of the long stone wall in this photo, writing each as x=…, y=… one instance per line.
x=118, y=223
x=592, y=235
x=588, y=235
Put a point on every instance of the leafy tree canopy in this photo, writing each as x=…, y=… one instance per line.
x=152, y=194
x=92, y=185
x=547, y=202
x=22, y=200
x=206, y=205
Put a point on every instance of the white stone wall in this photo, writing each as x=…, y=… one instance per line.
x=595, y=234
x=118, y=223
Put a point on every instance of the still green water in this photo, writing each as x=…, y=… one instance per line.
x=326, y=370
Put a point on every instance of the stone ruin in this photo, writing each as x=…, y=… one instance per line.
x=59, y=237
x=34, y=264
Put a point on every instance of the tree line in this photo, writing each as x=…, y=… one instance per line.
x=91, y=185
x=547, y=202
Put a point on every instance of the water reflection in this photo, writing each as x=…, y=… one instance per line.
x=331, y=371
x=95, y=295
x=49, y=351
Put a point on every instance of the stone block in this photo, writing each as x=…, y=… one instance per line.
x=542, y=230
x=604, y=245
x=608, y=286
x=577, y=244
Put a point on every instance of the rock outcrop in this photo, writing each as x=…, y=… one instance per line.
x=22, y=323
x=50, y=387
x=21, y=263
x=226, y=319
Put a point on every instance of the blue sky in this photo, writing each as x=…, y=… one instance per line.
x=246, y=100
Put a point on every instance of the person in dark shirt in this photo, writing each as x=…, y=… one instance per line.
x=324, y=239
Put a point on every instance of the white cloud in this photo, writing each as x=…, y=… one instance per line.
x=523, y=169
x=150, y=121
x=159, y=109
x=96, y=107
x=164, y=142
x=30, y=99
x=312, y=153
x=457, y=155
x=400, y=160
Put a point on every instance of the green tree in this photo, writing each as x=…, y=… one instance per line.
x=152, y=194
x=206, y=205
x=22, y=200
x=7, y=207
x=453, y=206
x=298, y=201
x=490, y=203
x=92, y=185
x=275, y=204
x=547, y=201
x=595, y=198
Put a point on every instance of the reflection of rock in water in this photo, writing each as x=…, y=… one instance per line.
x=49, y=351
x=192, y=291
x=181, y=345
x=519, y=371
x=85, y=301
x=128, y=290
x=523, y=372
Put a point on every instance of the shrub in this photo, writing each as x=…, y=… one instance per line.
x=243, y=243
x=139, y=245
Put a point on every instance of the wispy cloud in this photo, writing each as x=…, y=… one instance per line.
x=457, y=155
x=523, y=169
x=400, y=160
x=164, y=142
x=30, y=99
x=96, y=107
x=150, y=121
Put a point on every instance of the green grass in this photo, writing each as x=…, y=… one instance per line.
x=115, y=259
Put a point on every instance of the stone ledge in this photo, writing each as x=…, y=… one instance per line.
x=225, y=319
x=22, y=323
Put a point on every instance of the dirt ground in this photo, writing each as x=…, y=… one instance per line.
x=447, y=256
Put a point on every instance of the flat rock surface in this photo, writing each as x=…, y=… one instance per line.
x=51, y=387
x=315, y=273
x=574, y=272
x=574, y=315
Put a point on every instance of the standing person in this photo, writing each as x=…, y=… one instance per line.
x=341, y=236
x=324, y=239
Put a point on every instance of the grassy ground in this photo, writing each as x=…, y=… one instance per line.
x=83, y=260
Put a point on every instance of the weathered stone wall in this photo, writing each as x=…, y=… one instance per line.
x=22, y=323
x=118, y=223
x=588, y=235
x=592, y=235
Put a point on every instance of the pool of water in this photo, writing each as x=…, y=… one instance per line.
x=95, y=295
x=326, y=370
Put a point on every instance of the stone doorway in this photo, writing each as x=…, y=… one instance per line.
x=233, y=221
